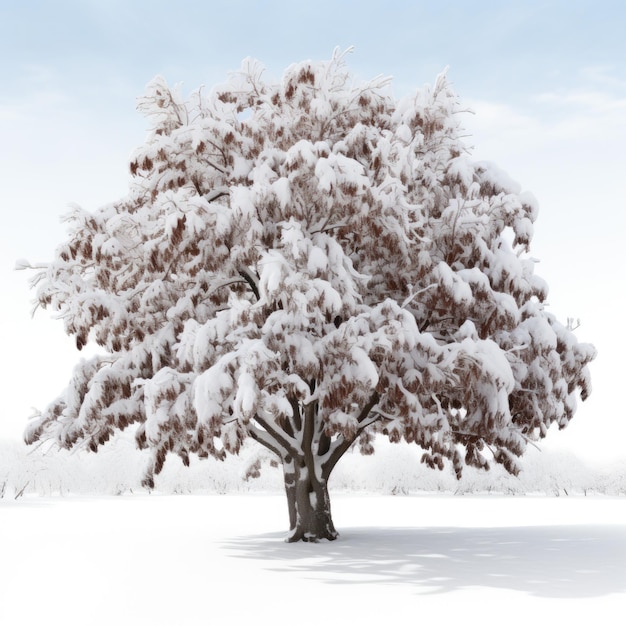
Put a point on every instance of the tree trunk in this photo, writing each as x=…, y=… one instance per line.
x=309, y=503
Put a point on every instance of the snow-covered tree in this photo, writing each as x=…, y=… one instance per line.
x=308, y=263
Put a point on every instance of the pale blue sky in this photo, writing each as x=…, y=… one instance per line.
x=89, y=47
x=546, y=80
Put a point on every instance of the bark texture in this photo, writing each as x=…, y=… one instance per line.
x=308, y=501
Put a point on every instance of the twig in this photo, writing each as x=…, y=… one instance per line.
x=414, y=295
x=20, y=493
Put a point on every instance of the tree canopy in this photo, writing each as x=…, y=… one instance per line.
x=308, y=263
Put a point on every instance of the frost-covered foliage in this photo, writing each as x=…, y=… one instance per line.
x=308, y=263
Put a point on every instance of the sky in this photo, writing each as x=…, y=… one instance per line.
x=545, y=82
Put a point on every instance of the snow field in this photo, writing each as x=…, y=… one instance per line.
x=211, y=559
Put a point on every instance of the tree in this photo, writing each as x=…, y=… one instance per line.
x=309, y=263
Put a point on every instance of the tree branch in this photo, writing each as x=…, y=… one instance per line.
x=252, y=281
x=213, y=164
x=339, y=448
x=281, y=438
x=296, y=420
x=414, y=295
x=265, y=440
x=218, y=192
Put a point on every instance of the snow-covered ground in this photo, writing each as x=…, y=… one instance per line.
x=71, y=551
x=205, y=559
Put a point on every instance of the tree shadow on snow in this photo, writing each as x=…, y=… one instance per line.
x=547, y=561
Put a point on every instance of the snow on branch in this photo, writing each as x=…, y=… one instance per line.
x=307, y=263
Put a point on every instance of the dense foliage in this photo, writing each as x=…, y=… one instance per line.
x=307, y=263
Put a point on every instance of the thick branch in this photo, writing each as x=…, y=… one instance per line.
x=266, y=440
x=341, y=446
x=308, y=431
x=280, y=437
x=324, y=442
x=297, y=415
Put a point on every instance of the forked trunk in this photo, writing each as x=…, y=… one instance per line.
x=309, y=504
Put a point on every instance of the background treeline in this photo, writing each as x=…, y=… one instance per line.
x=393, y=469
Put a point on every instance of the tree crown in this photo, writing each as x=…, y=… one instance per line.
x=306, y=263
